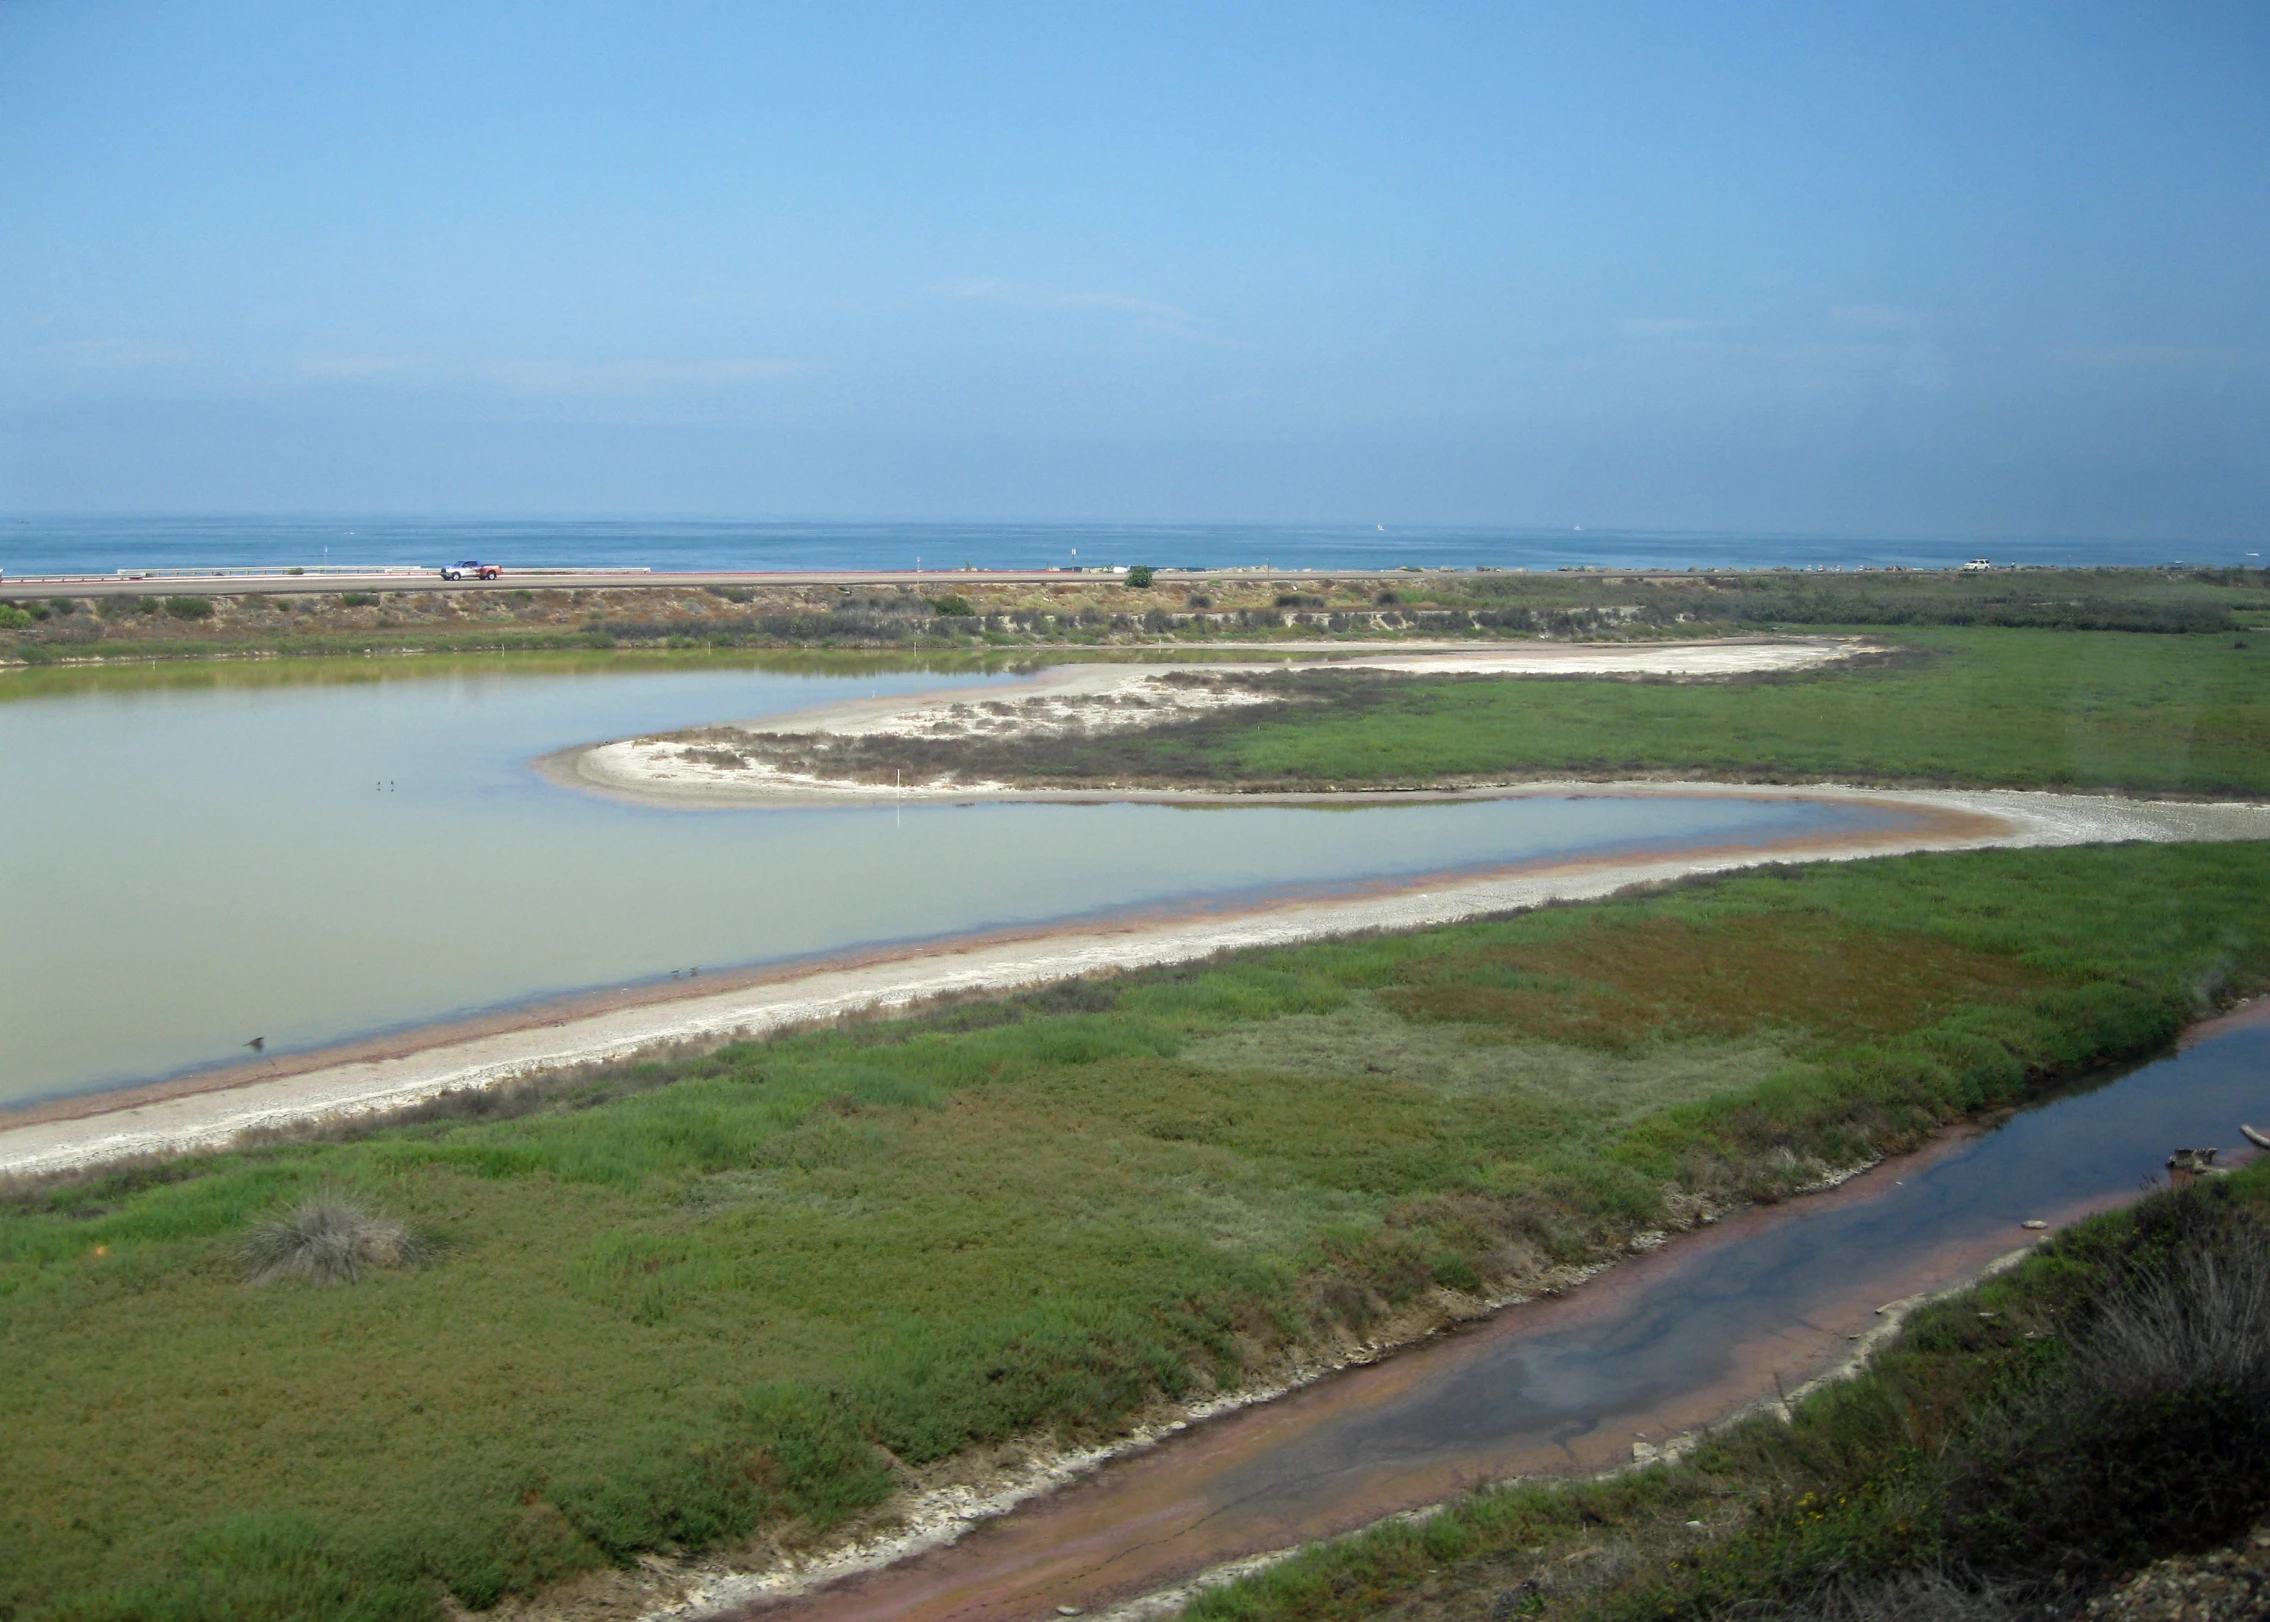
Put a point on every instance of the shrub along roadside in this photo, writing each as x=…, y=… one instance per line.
x=2020, y=1445
x=681, y=1303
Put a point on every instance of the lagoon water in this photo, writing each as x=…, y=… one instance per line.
x=303, y=852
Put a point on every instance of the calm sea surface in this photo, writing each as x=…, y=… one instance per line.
x=35, y=545
x=197, y=856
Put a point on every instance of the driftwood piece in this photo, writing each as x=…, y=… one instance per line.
x=2186, y=1164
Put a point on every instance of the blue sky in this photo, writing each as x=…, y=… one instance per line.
x=1914, y=268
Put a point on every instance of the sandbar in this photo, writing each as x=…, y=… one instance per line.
x=713, y=765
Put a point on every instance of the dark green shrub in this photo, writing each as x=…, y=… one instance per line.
x=2152, y=1429
x=953, y=607
x=359, y=599
x=189, y=608
x=1141, y=575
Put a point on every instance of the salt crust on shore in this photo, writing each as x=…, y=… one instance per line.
x=208, y=1119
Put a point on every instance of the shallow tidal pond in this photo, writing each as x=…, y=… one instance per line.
x=307, y=852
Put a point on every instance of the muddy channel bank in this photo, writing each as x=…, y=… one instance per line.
x=1744, y=1312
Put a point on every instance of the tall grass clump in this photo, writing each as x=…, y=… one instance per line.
x=2152, y=1431
x=329, y=1238
x=1916, y=1596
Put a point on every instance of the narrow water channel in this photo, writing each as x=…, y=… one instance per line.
x=1660, y=1345
x=311, y=853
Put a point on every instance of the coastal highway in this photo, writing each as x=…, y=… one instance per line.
x=217, y=584
x=935, y=580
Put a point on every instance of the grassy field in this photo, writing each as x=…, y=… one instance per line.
x=2026, y=708
x=2105, y=1405
x=748, y=1292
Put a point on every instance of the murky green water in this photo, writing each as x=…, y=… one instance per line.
x=310, y=851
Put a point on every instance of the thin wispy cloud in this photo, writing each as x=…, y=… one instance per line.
x=351, y=367
x=2147, y=356
x=1880, y=317
x=118, y=354
x=562, y=379
x=1669, y=326
x=632, y=376
x=1166, y=318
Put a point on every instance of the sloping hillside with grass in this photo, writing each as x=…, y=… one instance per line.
x=752, y=1293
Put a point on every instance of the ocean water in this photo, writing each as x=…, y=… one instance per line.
x=31, y=544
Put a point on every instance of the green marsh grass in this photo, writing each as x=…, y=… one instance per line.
x=742, y=1292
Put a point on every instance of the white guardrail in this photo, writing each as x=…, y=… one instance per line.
x=411, y=571
x=312, y=571
x=264, y=572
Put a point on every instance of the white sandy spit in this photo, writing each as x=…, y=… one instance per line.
x=705, y=763
x=207, y=1119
